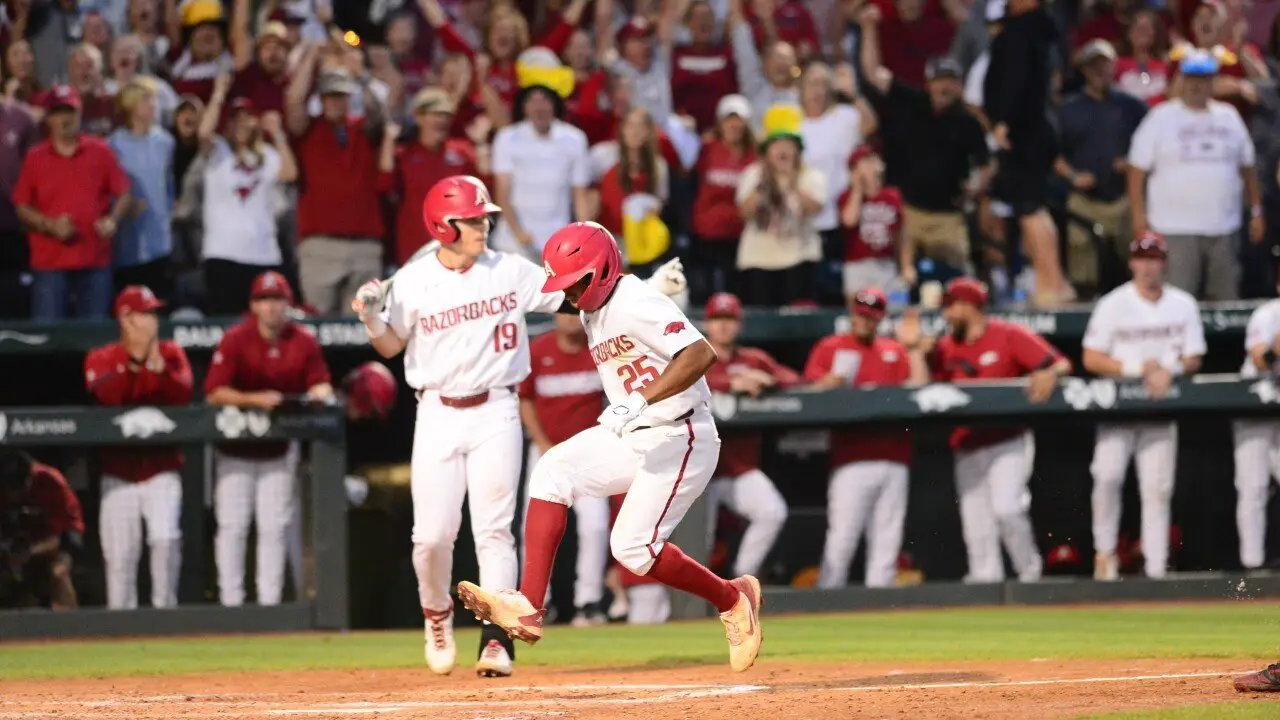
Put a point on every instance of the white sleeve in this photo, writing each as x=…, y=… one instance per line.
x=1259, y=331
x=655, y=320
x=814, y=184
x=748, y=183
x=270, y=164
x=580, y=175
x=504, y=162
x=1195, y=346
x=603, y=156
x=530, y=280
x=396, y=313
x=1098, y=334
x=1142, y=148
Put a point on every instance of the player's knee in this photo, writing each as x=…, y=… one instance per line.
x=1107, y=474
x=550, y=478
x=431, y=538
x=497, y=540
x=772, y=512
x=630, y=552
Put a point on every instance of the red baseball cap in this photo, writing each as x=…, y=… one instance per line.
x=1151, y=245
x=724, y=305
x=870, y=302
x=965, y=289
x=137, y=298
x=271, y=284
x=860, y=153
x=244, y=103
x=60, y=96
x=636, y=28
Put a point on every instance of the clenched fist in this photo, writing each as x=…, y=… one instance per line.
x=669, y=278
x=368, y=300
x=619, y=417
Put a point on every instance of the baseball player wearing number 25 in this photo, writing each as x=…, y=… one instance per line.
x=657, y=442
x=1150, y=330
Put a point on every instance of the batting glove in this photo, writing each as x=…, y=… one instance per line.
x=620, y=416
x=367, y=303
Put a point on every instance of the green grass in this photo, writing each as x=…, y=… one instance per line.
x=1225, y=630
x=1258, y=709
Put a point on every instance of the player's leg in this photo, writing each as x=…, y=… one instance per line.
x=1007, y=477
x=277, y=479
x=120, y=528
x=162, y=509
x=1253, y=471
x=754, y=496
x=1111, y=454
x=233, y=498
x=884, y=534
x=850, y=497
x=530, y=462
x=977, y=517
x=1157, y=459
x=592, y=516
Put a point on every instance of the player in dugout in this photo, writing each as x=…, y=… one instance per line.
x=41, y=531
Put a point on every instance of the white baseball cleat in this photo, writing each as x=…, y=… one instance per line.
x=494, y=662
x=441, y=652
x=1106, y=567
x=508, y=609
x=742, y=624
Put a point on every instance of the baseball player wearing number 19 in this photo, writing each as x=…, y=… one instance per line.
x=1150, y=330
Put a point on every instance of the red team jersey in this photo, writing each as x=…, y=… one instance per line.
x=875, y=237
x=565, y=388
x=108, y=377
x=1005, y=350
x=882, y=362
x=49, y=508
x=740, y=450
x=247, y=362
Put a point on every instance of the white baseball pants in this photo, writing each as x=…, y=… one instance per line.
x=126, y=506
x=261, y=491
x=591, y=517
x=991, y=483
x=1154, y=448
x=461, y=452
x=1257, y=461
x=868, y=497
x=753, y=496
x=650, y=604
x=662, y=470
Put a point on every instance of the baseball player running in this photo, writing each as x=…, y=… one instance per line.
x=868, y=487
x=140, y=484
x=738, y=482
x=459, y=317
x=993, y=464
x=1257, y=441
x=562, y=397
x=657, y=442
x=1150, y=330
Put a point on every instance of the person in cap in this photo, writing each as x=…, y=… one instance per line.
x=259, y=361
x=767, y=76
x=201, y=55
x=1242, y=70
x=70, y=225
x=1096, y=125
x=1191, y=174
x=737, y=483
x=702, y=70
x=244, y=166
x=261, y=62
x=41, y=534
x=867, y=493
x=141, y=485
x=875, y=253
x=712, y=258
x=642, y=52
x=778, y=197
x=1150, y=331
x=993, y=465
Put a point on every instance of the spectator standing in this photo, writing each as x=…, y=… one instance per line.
x=638, y=178
x=402, y=45
x=144, y=244
x=768, y=77
x=935, y=149
x=43, y=525
x=144, y=21
x=717, y=224
x=21, y=83
x=1191, y=167
x=261, y=63
x=241, y=172
x=140, y=484
x=98, y=114
x=871, y=220
x=1144, y=330
x=588, y=106
x=127, y=58
x=52, y=27
x=643, y=55
x=867, y=492
x=18, y=134
x=72, y=196
x=787, y=20
x=96, y=30
x=1240, y=65
x=339, y=203
x=257, y=363
x=912, y=38
x=198, y=47
x=1142, y=69
x=1096, y=125
x=702, y=70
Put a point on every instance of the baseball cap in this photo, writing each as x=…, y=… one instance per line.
x=1150, y=245
x=136, y=298
x=724, y=305
x=271, y=284
x=967, y=290
x=242, y=103
x=733, y=105
x=62, y=96
x=434, y=99
x=1095, y=49
x=636, y=28
x=274, y=30
x=1198, y=63
x=943, y=67
x=860, y=153
x=870, y=302
x=192, y=101
x=333, y=82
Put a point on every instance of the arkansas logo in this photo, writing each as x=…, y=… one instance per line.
x=673, y=328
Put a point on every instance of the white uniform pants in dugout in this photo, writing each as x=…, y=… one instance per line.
x=991, y=485
x=591, y=519
x=1257, y=461
x=1154, y=447
x=662, y=470
x=126, y=506
x=261, y=491
x=753, y=496
x=870, y=497
x=459, y=453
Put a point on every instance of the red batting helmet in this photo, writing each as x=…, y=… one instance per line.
x=459, y=197
x=371, y=390
x=583, y=249
x=965, y=289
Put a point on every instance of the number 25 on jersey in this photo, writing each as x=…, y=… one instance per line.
x=637, y=374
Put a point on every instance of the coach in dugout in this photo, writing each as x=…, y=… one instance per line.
x=41, y=529
x=140, y=484
x=258, y=362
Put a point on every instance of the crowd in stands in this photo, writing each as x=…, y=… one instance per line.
x=791, y=151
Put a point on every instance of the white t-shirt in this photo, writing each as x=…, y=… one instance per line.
x=1193, y=159
x=633, y=338
x=239, y=206
x=466, y=330
x=1264, y=326
x=829, y=140
x=544, y=171
x=1127, y=327
x=788, y=238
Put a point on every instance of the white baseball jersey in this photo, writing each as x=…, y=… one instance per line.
x=633, y=338
x=1264, y=325
x=465, y=330
x=1129, y=328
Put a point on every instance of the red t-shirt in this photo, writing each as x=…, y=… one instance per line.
x=882, y=362
x=589, y=108
x=248, y=362
x=1004, y=350
x=611, y=196
x=49, y=508
x=907, y=47
x=565, y=388
x=715, y=210
x=875, y=237
x=266, y=92
x=81, y=186
x=417, y=169
x=99, y=114
x=700, y=76
x=794, y=25
x=339, y=186
x=108, y=377
x=1146, y=81
x=740, y=449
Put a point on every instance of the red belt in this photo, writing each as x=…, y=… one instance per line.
x=466, y=401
